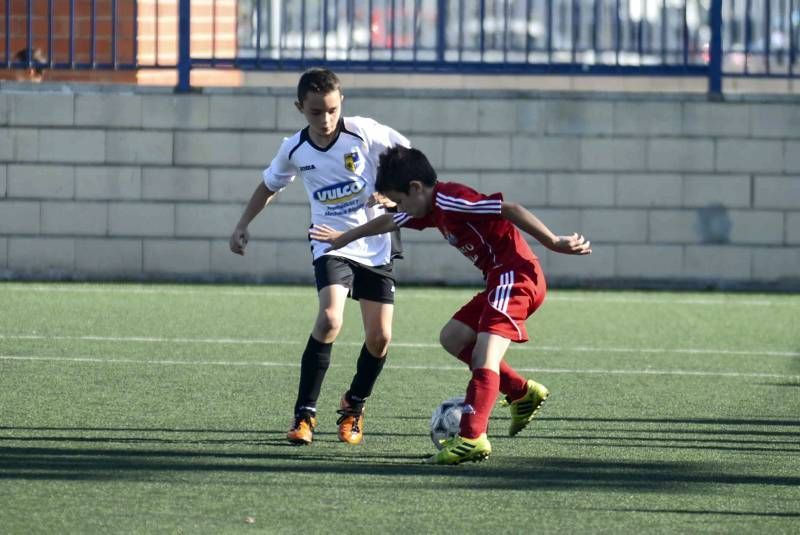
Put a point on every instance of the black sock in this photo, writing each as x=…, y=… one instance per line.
x=315, y=362
x=367, y=371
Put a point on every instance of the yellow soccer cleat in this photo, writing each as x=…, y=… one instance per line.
x=302, y=431
x=459, y=449
x=351, y=423
x=525, y=409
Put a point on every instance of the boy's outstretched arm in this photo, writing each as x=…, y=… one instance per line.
x=258, y=200
x=338, y=239
x=525, y=220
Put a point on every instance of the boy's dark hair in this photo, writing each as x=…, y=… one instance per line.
x=33, y=56
x=398, y=166
x=317, y=80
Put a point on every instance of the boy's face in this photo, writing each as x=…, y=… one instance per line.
x=322, y=112
x=416, y=203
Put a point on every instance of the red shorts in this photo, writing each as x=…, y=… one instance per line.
x=510, y=297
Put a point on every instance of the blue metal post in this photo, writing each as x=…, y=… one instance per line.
x=213, y=32
x=135, y=34
x=114, y=33
x=258, y=31
x=50, y=32
x=393, y=15
x=417, y=9
x=483, y=28
x=617, y=32
x=29, y=40
x=72, y=33
x=767, y=34
x=686, y=33
x=157, y=32
x=303, y=32
x=505, y=31
x=792, y=48
x=527, y=33
x=748, y=34
x=663, y=32
x=93, y=52
x=460, y=30
x=715, y=51
x=441, y=28
x=325, y=30
x=8, y=33
x=574, y=29
x=184, y=47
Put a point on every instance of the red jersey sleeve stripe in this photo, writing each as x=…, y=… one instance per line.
x=400, y=218
x=457, y=200
x=470, y=211
x=493, y=207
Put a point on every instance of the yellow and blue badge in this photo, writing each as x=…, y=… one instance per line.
x=351, y=160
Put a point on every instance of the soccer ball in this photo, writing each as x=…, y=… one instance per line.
x=446, y=420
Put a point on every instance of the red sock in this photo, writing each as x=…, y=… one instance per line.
x=512, y=384
x=481, y=395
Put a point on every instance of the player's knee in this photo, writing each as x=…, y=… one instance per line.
x=378, y=343
x=450, y=341
x=328, y=323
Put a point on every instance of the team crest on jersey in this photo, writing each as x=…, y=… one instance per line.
x=351, y=160
x=341, y=192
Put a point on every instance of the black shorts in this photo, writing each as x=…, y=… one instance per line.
x=373, y=283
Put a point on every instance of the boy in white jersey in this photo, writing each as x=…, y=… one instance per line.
x=337, y=159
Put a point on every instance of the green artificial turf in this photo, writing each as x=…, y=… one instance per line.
x=163, y=409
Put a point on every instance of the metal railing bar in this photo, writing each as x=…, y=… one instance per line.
x=617, y=32
x=93, y=49
x=114, y=32
x=550, y=30
x=156, y=33
x=8, y=33
x=792, y=49
x=72, y=31
x=29, y=34
x=50, y=32
x=370, y=10
x=748, y=34
x=213, y=29
x=767, y=33
x=481, y=21
x=528, y=8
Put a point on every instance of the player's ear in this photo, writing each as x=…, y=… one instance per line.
x=298, y=106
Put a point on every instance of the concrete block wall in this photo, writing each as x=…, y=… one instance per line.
x=125, y=183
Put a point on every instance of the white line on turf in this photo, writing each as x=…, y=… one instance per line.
x=264, y=341
x=95, y=360
x=263, y=292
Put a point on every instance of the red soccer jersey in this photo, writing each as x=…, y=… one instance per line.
x=471, y=222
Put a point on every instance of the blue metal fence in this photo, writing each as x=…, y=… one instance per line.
x=710, y=38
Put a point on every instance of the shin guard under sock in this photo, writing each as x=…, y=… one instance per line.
x=481, y=394
x=512, y=384
x=314, y=364
x=368, y=369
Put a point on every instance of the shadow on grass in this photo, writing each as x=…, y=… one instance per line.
x=704, y=512
x=688, y=421
x=360, y=466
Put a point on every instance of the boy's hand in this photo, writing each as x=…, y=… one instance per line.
x=238, y=240
x=377, y=198
x=574, y=244
x=326, y=234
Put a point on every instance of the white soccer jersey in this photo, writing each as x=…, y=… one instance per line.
x=339, y=179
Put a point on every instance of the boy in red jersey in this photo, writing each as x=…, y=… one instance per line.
x=486, y=229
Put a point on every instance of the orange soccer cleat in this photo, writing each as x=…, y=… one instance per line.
x=302, y=431
x=351, y=422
